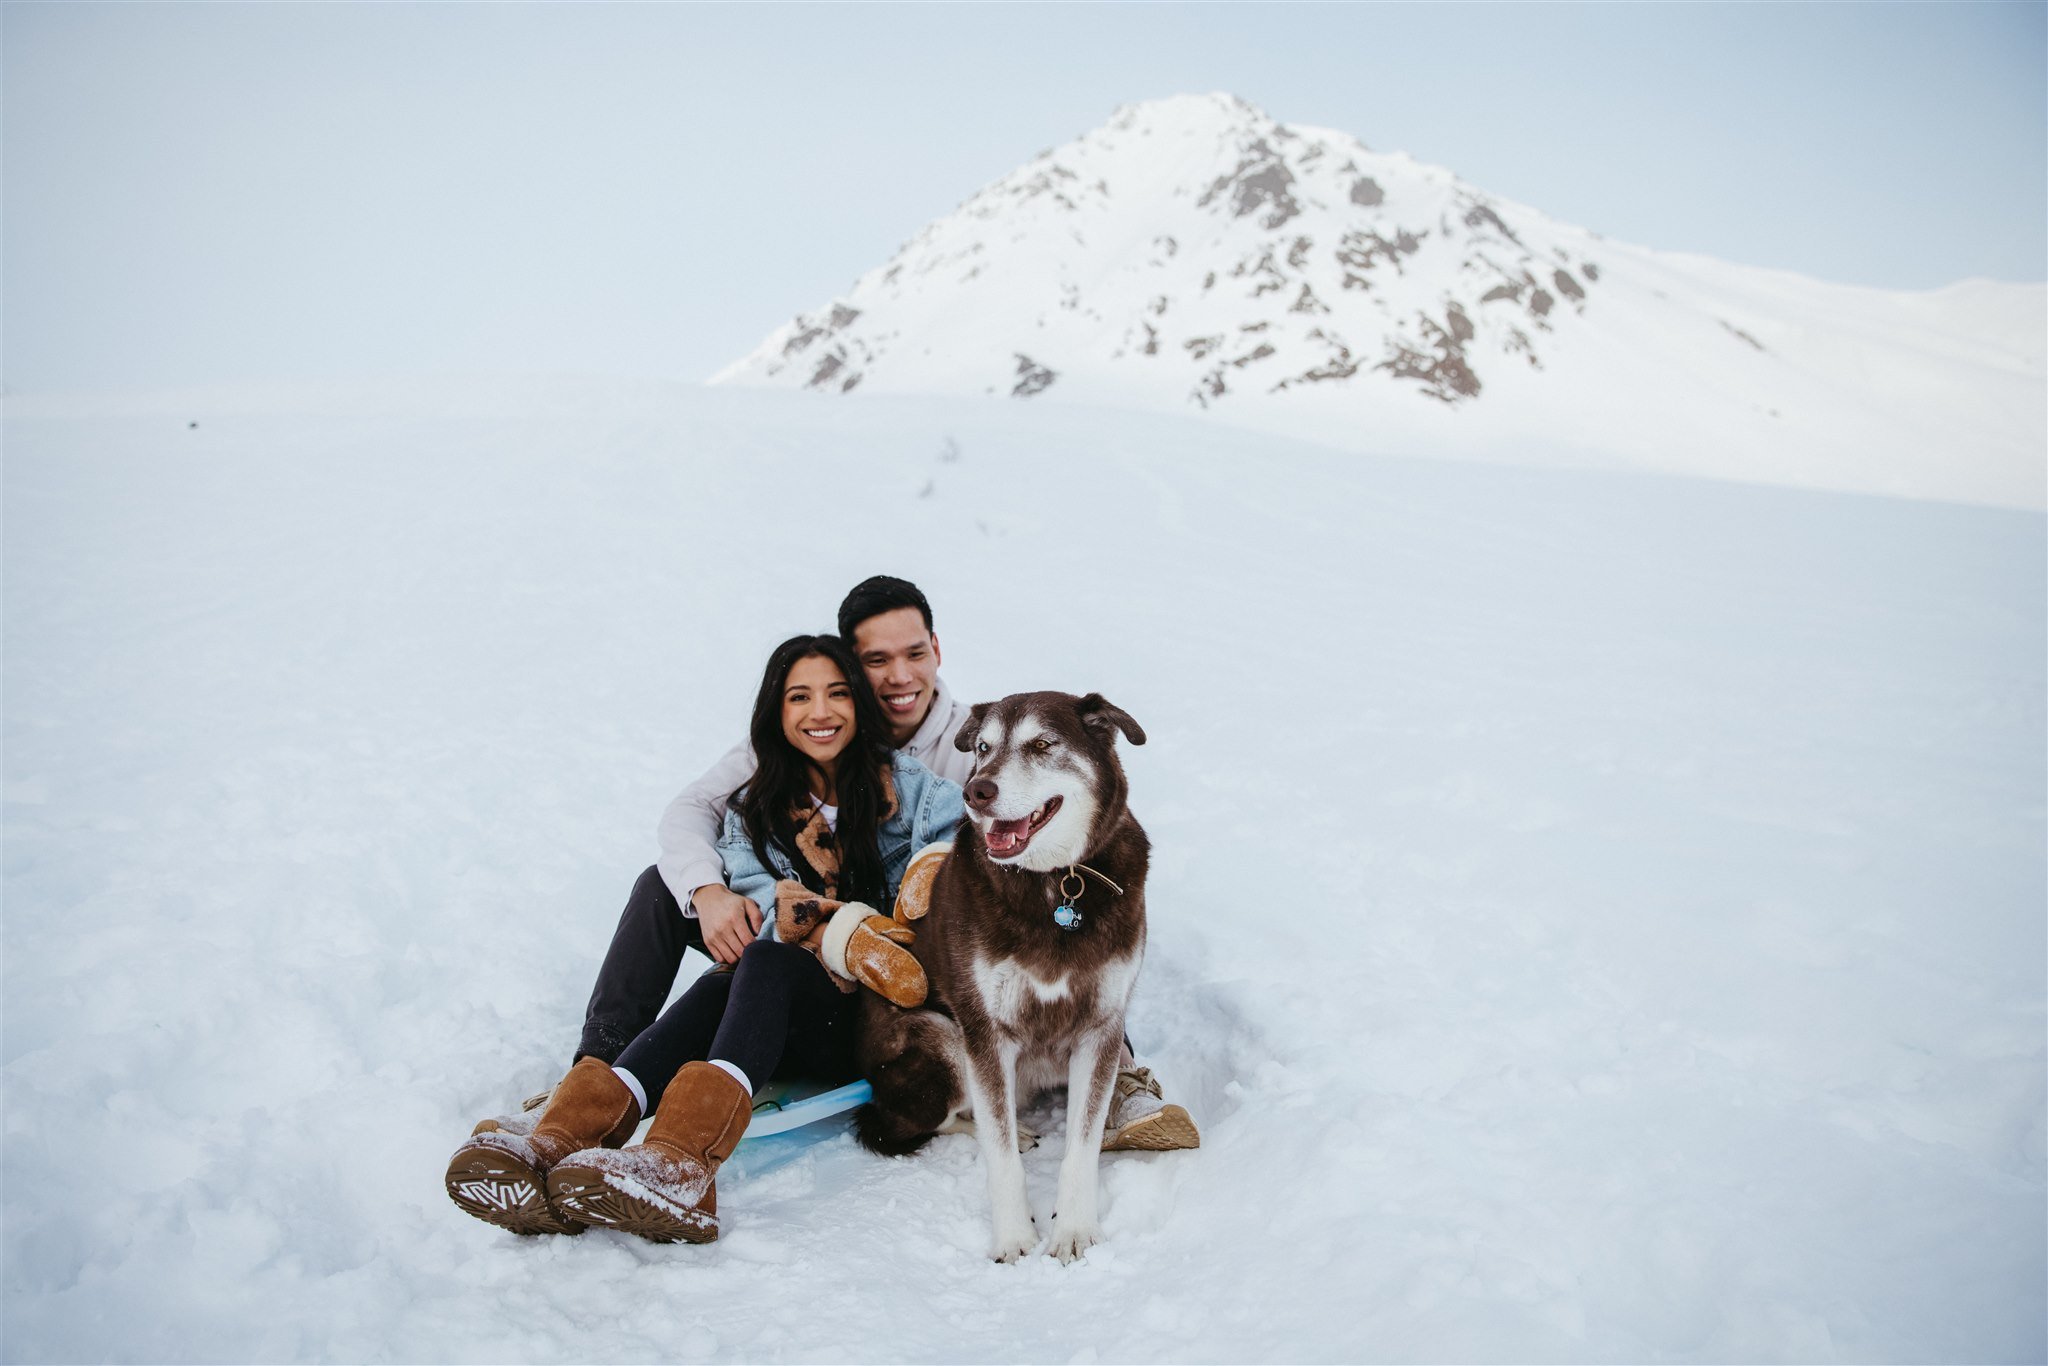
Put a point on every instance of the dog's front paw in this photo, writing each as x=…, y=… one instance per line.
x=1014, y=1244
x=1070, y=1243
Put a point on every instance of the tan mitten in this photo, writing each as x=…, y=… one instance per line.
x=865, y=946
x=914, y=899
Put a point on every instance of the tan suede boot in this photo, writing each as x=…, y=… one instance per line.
x=500, y=1176
x=663, y=1188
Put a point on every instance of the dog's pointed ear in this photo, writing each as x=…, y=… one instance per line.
x=970, y=729
x=1099, y=713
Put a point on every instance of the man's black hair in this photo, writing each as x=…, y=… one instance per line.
x=872, y=597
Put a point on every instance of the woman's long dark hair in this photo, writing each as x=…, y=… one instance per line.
x=781, y=785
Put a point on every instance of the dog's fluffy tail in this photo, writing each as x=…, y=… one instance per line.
x=882, y=1132
x=916, y=1091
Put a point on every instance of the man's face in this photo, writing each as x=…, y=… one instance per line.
x=901, y=658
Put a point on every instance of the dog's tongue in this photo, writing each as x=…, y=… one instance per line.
x=1005, y=836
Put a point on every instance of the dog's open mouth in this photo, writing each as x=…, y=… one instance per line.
x=1006, y=839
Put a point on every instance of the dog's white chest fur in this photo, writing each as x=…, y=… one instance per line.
x=1007, y=988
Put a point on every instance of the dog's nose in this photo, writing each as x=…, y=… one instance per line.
x=981, y=791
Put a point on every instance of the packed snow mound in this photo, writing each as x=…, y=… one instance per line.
x=1195, y=255
x=1593, y=917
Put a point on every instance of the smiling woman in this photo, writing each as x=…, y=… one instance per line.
x=819, y=737
x=817, y=720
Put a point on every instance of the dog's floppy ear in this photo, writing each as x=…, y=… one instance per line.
x=970, y=729
x=1099, y=713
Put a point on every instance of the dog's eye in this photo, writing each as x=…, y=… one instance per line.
x=1041, y=744
x=981, y=747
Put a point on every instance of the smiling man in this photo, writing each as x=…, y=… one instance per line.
x=900, y=653
x=682, y=902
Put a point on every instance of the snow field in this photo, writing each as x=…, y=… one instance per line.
x=1593, y=917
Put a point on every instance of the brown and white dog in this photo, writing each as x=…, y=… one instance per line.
x=1020, y=1001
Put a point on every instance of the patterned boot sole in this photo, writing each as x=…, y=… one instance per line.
x=584, y=1195
x=1164, y=1130
x=500, y=1190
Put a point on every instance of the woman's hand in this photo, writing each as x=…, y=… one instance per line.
x=730, y=921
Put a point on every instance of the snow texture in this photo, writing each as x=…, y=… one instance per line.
x=1596, y=917
x=1193, y=255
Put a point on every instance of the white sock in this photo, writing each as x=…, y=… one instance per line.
x=633, y=1085
x=731, y=1071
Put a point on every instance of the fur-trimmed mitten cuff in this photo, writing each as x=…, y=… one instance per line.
x=865, y=946
x=914, y=899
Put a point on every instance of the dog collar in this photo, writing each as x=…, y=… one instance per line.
x=1067, y=915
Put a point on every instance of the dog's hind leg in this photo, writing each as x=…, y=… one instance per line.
x=1091, y=1072
x=991, y=1076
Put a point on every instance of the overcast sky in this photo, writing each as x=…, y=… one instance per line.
x=197, y=194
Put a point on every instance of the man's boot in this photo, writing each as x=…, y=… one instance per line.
x=662, y=1188
x=1141, y=1118
x=520, y=1121
x=501, y=1177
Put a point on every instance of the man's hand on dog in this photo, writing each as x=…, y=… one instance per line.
x=730, y=921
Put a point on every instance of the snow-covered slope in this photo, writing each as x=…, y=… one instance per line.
x=1194, y=255
x=1595, y=917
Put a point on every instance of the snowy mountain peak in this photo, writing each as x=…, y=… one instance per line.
x=1217, y=243
x=1217, y=112
x=1193, y=253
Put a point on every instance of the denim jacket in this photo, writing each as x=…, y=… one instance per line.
x=928, y=807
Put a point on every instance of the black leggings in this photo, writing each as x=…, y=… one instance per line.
x=777, y=1008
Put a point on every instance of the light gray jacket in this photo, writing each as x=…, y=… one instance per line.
x=691, y=826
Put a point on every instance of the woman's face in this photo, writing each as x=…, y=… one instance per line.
x=817, y=710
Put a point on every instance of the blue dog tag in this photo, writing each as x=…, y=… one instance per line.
x=1066, y=917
